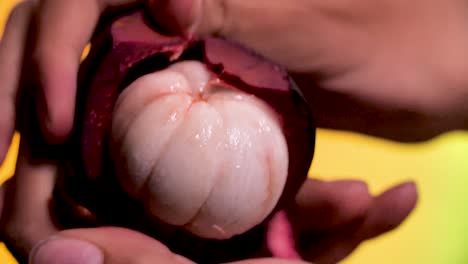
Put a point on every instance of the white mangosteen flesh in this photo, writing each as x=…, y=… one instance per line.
x=197, y=152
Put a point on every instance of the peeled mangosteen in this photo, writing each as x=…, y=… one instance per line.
x=196, y=142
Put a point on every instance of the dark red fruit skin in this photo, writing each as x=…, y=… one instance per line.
x=87, y=192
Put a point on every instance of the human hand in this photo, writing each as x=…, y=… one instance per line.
x=391, y=69
x=327, y=226
x=43, y=227
x=321, y=225
x=387, y=69
x=42, y=44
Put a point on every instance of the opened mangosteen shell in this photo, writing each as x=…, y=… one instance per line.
x=87, y=192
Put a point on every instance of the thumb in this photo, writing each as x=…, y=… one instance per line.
x=105, y=245
x=199, y=17
x=253, y=23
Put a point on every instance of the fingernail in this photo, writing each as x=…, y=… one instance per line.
x=65, y=251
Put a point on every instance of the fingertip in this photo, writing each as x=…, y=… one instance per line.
x=390, y=209
x=192, y=17
x=56, y=100
x=410, y=189
x=58, y=124
x=59, y=250
x=64, y=28
x=404, y=195
x=403, y=198
x=178, y=17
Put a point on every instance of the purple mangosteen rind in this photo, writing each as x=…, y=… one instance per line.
x=128, y=49
x=134, y=43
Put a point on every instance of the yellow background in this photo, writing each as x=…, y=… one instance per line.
x=437, y=232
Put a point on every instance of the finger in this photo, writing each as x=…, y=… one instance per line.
x=26, y=218
x=322, y=206
x=206, y=17
x=64, y=29
x=387, y=212
x=110, y=245
x=221, y=17
x=26, y=215
x=281, y=238
x=313, y=61
x=12, y=47
x=234, y=19
x=175, y=16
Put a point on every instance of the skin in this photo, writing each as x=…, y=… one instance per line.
x=29, y=232
x=393, y=61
